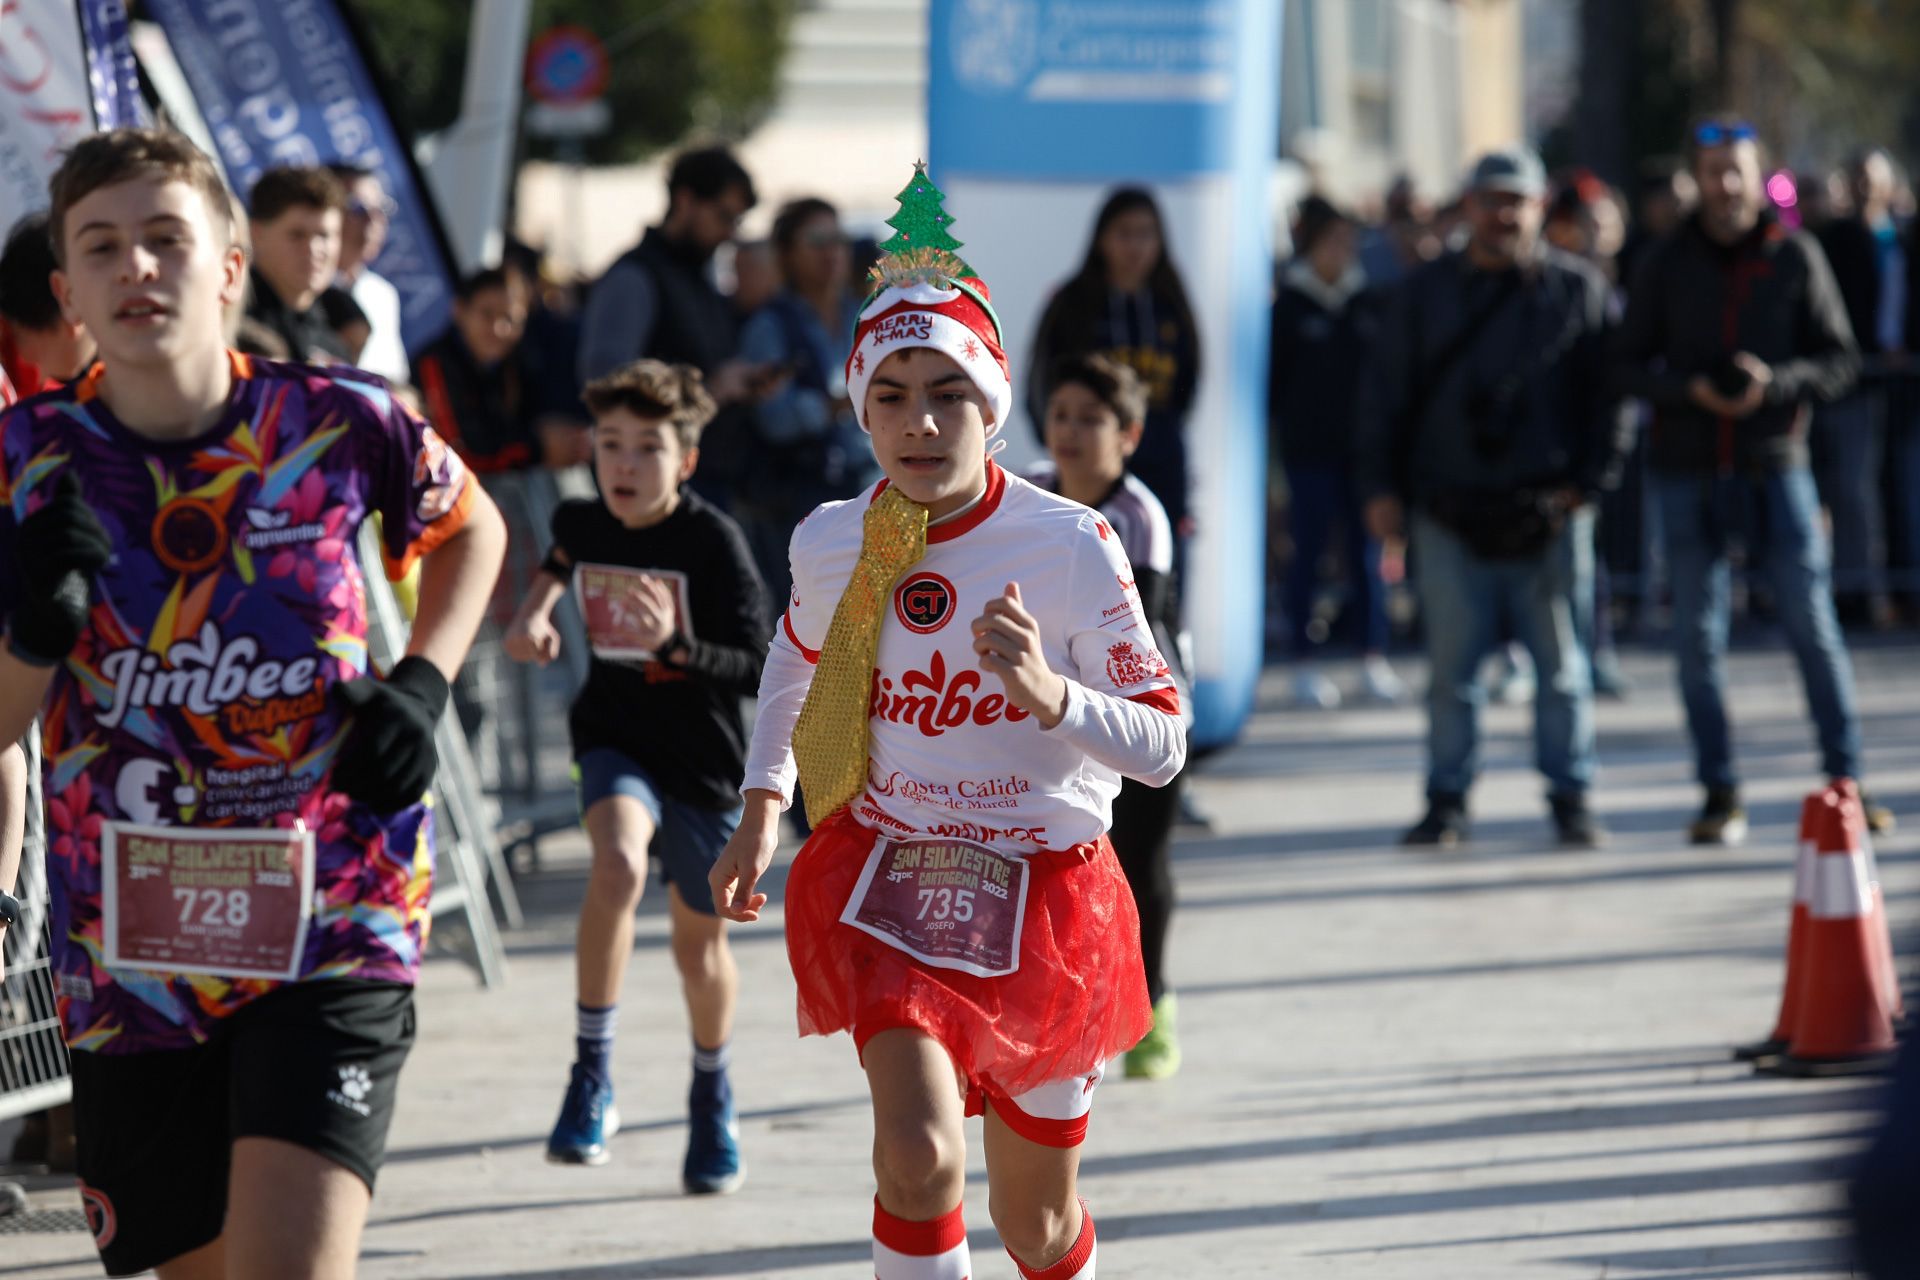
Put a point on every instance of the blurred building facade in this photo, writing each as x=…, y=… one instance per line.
x=1371, y=89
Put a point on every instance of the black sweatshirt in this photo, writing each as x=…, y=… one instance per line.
x=679, y=721
x=1321, y=344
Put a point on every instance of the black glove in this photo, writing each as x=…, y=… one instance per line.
x=387, y=759
x=58, y=549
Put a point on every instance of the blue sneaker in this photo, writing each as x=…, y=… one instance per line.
x=587, y=1121
x=713, y=1165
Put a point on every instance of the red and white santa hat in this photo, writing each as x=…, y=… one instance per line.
x=928, y=297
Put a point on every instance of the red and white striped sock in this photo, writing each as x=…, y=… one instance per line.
x=1078, y=1262
x=934, y=1250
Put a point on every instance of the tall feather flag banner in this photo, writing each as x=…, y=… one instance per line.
x=112, y=73
x=287, y=82
x=65, y=70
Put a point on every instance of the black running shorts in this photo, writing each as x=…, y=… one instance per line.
x=316, y=1064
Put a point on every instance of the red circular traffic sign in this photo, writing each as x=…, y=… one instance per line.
x=566, y=65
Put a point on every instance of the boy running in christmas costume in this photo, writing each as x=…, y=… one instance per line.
x=1096, y=412
x=962, y=676
x=677, y=617
x=239, y=849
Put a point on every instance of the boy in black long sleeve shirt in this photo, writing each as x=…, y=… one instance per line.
x=677, y=617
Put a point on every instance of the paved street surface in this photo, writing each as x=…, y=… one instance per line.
x=1503, y=1062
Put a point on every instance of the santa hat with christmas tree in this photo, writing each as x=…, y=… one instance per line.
x=925, y=296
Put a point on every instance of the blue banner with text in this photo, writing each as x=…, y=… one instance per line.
x=284, y=82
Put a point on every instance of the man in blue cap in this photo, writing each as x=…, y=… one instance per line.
x=1488, y=416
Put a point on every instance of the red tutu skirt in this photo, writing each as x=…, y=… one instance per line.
x=1077, y=999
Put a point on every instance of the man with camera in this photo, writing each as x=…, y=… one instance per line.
x=1734, y=328
x=1488, y=412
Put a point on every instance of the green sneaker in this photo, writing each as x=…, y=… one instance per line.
x=1157, y=1056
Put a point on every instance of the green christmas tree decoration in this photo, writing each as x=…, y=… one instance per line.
x=920, y=247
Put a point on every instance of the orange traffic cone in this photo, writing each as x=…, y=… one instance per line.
x=1781, y=1037
x=1858, y=835
x=1842, y=1025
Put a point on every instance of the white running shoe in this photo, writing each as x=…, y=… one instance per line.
x=1311, y=689
x=1379, y=680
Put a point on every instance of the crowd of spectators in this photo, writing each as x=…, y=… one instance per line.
x=1863, y=448
x=502, y=380
x=1558, y=417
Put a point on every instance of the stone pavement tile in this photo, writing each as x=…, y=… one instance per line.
x=1506, y=1061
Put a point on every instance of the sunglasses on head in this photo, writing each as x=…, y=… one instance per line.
x=1720, y=135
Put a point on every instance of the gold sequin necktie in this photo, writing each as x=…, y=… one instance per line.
x=830, y=738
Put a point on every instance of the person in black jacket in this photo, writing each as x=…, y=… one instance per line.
x=1486, y=407
x=1324, y=322
x=678, y=622
x=658, y=301
x=1886, y=1179
x=476, y=389
x=295, y=219
x=1734, y=328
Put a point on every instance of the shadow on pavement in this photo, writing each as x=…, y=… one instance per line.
x=1427, y=888
x=1520, y=965
x=1532, y=1192
x=1629, y=1228
x=516, y=1206
x=1617, y=1153
x=455, y=1150
x=1734, y=1076
x=1757, y=1105
x=1712, y=1262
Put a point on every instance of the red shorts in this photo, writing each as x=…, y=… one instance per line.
x=1077, y=999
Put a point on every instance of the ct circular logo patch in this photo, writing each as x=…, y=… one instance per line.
x=924, y=602
x=100, y=1216
x=189, y=536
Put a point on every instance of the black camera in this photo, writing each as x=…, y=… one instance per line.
x=1730, y=379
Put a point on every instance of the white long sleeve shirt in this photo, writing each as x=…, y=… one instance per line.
x=947, y=754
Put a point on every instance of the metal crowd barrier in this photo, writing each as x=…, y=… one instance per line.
x=469, y=859
x=514, y=713
x=33, y=1054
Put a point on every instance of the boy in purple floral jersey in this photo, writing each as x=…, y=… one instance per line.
x=238, y=846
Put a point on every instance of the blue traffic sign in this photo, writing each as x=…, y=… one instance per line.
x=566, y=65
